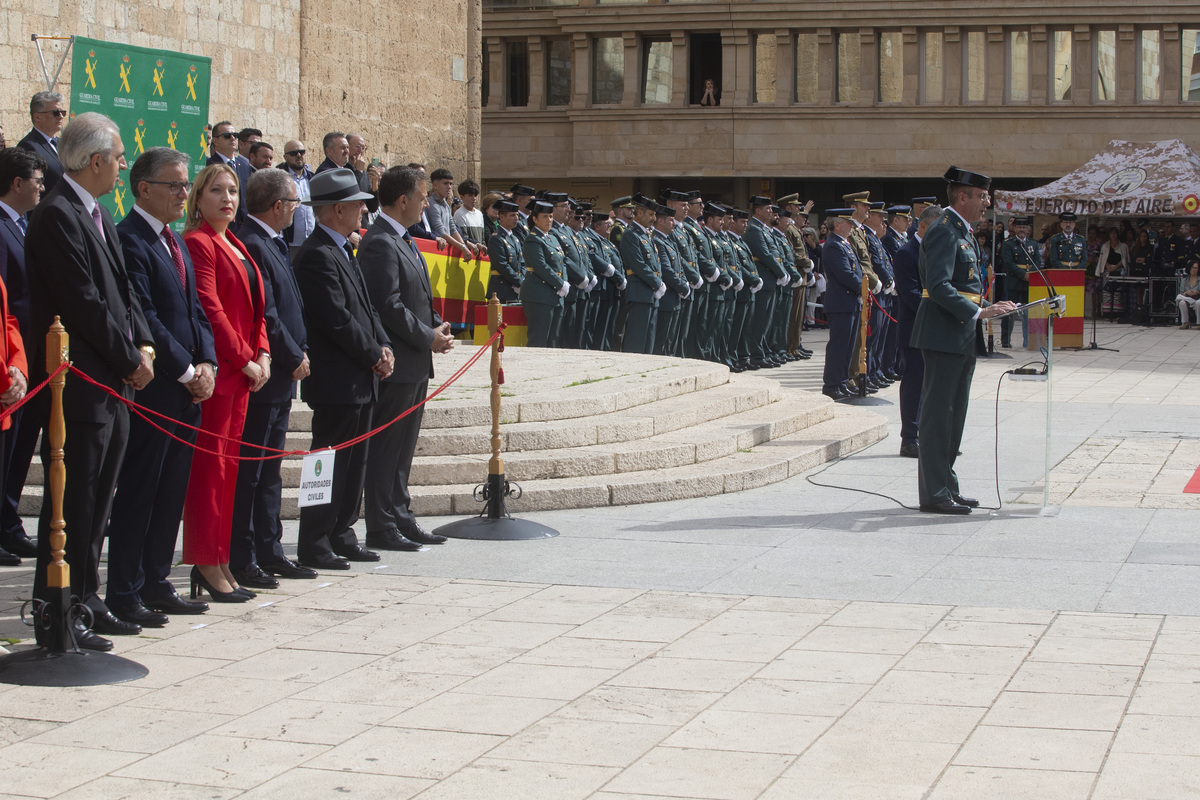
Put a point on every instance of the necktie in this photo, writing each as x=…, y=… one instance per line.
x=99, y=221
x=282, y=245
x=176, y=256
x=54, y=143
x=349, y=248
x=412, y=246
x=23, y=224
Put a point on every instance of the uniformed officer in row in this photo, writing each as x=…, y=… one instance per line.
x=1066, y=249
x=610, y=274
x=919, y=204
x=944, y=330
x=794, y=221
x=521, y=195
x=545, y=283
x=622, y=209
x=881, y=302
x=743, y=314
x=894, y=238
x=1019, y=256
x=643, y=275
x=842, y=300
x=666, y=337
x=697, y=343
x=505, y=253
x=678, y=202
x=860, y=203
x=768, y=263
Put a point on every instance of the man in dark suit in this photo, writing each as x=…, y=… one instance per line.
x=153, y=480
x=843, y=282
x=944, y=330
x=48, y=115
x=225, y=151
x=908, y=289
x=21, y=186
x=256, y=548
x=398, y=283
x=350, y=352
x=77, y=271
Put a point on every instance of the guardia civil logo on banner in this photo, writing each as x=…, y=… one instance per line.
x=158, y=98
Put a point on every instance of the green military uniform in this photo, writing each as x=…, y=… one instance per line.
x=508, y=265
x=545, y=276
x=696, y=345
x=1066, y=252
x=691, y=272
x=944, y=331
x=644, y=277
x=743, y=315
x=768, y=263
x=604, y=257
x=784, y=295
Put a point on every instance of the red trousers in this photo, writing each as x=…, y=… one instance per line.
x=208, y=509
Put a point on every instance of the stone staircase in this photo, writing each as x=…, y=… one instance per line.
x=582, y=429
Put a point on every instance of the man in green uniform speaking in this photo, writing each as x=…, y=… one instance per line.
x=944, y=331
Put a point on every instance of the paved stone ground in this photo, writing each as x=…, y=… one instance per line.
x=794, y=641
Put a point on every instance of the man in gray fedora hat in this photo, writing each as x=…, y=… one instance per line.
x=349, y=352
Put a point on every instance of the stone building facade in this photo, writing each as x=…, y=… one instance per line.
x=292, y=68
x=824, y=97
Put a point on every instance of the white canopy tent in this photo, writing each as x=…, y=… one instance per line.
x=1125, y=179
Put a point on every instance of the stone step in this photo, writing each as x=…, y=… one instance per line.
x=847, y=430
x=680, y=446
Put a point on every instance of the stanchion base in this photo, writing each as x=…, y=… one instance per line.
x=505, y=529
x=41, y=667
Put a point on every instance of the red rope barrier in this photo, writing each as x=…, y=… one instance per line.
x=878, y=305
x=8, y=412
x=145, y=413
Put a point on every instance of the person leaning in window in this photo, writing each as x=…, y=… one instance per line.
x=231, y=293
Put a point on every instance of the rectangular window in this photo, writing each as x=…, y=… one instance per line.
x=849, y=67
x=1018, y=67
x=1191, y=64
x=657, y=71
x=932, y=90
x=891, y=67
x=765, y=63
x=1060, y=77
x=608, y=70
x=558, y=72
x=975, y=68
x=1151, y=89
x=1106, y=65
x=517, y=58
x=806, y=68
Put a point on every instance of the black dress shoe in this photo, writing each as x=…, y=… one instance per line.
x=945, y=507
x=891, y=375
x=325, y=561
x=357, y=553
x=836, y=393
x=969, y=502
x=21, y=546
x=804, y=355
x=422, y=536
x=288, y=569
x=138, y=614
x=253, y=576
x=754, y=365
x=392, y=540
x=736, y=368
x=174, y=604
x=108, y=624
x=910, y=450
x=90, y=641
x=7, y=559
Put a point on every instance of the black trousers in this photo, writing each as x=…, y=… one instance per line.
x=837, y=352
x=389, y=461
x=18, y=454
x=257, y=535
x=330, y=527
x=92, y=458
x=945, y=393
x=910, y=394
x=147, y=508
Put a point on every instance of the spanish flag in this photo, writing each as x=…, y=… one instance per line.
x=458, y=285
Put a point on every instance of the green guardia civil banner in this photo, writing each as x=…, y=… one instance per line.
x=158, y=98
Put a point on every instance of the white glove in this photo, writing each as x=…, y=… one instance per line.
x=582, y=285
x=563, y=290
x=892, y=291
x=875, y=287
x=593, y=283
x=796, y=284
x=740, y=285
x=754, y=289
x=686, y=294
x=698, y=283
x=608, y=273
x=622, y=285
x=810, y=279
x=782, y=280
x=660, y=291
x=714, y=277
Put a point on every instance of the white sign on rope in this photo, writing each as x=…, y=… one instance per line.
x=316, y=479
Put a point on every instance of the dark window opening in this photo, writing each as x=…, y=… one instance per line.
x=704, y=64
x=517, y=56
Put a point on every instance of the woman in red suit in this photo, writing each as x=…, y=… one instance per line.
x=231, y=293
